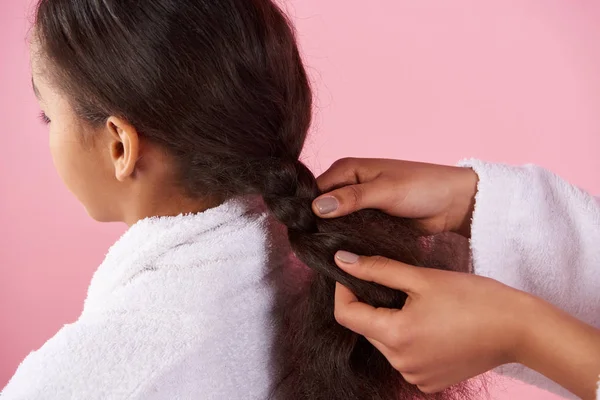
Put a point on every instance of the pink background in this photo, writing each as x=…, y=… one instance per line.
x=513, y=81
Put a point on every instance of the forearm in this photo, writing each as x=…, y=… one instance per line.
x=562, y=348
x=537, y=233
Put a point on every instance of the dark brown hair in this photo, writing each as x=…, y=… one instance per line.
x=220, y=84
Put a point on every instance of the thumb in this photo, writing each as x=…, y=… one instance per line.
x=381, y=270
x=348, y=199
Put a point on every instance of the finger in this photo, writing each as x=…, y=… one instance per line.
x=349, y=199
x=348, y=171
x=386, y=272
x=371, y=322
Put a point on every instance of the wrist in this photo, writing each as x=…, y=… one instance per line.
x=527, y=327
x=464, y=203
x=560, y=347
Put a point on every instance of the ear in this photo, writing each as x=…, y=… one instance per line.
x=124, y=143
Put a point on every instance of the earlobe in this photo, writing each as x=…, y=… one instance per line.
x=124, y=147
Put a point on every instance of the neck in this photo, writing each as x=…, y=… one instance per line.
x=169, y=206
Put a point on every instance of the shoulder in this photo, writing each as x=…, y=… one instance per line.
x=107, y=356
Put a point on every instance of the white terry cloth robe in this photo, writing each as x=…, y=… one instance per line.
x=181, y=308
x=535, y=232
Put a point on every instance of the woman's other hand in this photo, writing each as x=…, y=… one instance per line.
x=455, y=326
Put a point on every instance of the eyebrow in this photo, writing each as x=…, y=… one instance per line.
x=35, y=90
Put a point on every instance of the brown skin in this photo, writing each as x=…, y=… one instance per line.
x=495, y=324
x=440, y=197
x=113, y=172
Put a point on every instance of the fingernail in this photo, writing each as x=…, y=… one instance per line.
x=327, y=205
x=346, y=257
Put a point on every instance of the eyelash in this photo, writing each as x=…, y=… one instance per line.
x=44, y=118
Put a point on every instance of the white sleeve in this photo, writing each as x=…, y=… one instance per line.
x=535, y=232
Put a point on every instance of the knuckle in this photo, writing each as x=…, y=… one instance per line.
x=399, y=338
x=377, y=263
x=398, y=365
x=337, y=175
x=355, y=196
x=404, y=325
x=401, y=365
x=345, y=169
x=396, y=339
x=343, y=163
x=340, y=316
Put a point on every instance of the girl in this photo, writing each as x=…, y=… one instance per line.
x=177, y=117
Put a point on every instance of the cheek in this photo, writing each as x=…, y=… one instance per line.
x=85, y=172
x=75, y=164
x=63, y=150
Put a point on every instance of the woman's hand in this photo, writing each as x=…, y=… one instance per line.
x=455, y=326
x=440, y=197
